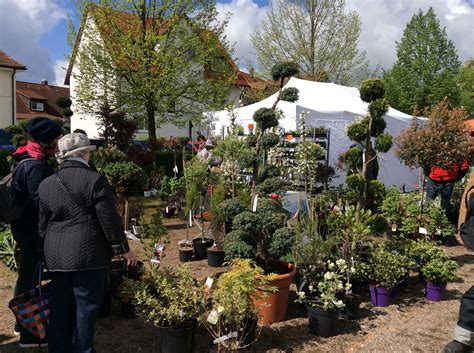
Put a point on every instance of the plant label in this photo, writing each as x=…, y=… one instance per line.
x=423, y=230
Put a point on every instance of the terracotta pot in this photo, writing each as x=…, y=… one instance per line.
x=273, y=307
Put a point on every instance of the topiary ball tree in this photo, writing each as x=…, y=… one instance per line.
x=362, y=131
x=267, y=118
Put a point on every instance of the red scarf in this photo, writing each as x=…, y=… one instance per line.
x=35, y=151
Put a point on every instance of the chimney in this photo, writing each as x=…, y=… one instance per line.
x=44, y=82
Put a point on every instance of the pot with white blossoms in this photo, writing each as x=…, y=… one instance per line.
x=324, y=296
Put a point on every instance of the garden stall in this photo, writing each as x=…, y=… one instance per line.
x=335, y=107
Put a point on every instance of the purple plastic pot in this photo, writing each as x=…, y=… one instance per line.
x=380, y=296
x=434, y=292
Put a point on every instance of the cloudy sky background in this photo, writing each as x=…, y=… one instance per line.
x=34, y=31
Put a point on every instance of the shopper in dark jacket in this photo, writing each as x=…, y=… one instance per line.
x=42, y=141
x=82, y=231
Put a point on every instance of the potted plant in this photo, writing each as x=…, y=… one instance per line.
x=391, y=209
x=438, y=226
x=383, y=270
x=215, y=254
x=422, y=251
x=438, y=271
x=232, y=315
x=172, y=301
x=320, y=132
x=171, y=192
x=198, y=179
x=251, y=238
x=323, y=297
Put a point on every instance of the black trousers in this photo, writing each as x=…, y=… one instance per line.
x=466, y=311
x=76, y=298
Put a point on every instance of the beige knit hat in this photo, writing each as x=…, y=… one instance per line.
x=72, y=143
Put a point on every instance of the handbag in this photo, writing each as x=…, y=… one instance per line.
x=32, y=308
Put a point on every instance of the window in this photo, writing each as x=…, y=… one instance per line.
x=38, y=106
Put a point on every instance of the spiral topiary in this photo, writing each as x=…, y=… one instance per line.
x=289, y=94
x=284, y=69
x=372, y=89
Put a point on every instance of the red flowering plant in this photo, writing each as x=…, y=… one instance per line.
x=442, y=140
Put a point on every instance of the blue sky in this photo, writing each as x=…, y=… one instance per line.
x=34, y=31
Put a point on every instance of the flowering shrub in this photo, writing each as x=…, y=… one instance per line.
x=440, y=269
x=324, y=294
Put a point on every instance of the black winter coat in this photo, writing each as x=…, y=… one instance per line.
x=82, y=228
x=26, y=182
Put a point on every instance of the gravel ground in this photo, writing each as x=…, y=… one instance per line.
x=409, y=324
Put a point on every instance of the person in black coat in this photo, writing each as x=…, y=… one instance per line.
x=82, y=230
x=43, y=135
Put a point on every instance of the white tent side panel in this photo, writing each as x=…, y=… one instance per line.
x=334, y=107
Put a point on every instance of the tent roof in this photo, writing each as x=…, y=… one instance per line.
x=328, y=98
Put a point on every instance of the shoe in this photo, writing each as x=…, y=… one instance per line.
x=458, y=347
x=32, y=342
x=16, y=330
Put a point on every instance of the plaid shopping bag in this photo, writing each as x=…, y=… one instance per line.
x=32, y=309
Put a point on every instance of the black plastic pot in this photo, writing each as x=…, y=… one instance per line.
x=322, y=322
x=176, y=339
x=170, y=213
x=185, y=254
x=215, y=257
x=127, y=311
x=200, y=247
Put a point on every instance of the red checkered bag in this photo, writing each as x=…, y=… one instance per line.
x=32, y=309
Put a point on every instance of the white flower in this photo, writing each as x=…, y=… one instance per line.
x=353, y=270
x=348, y=286
x=340, y=286
x=310, y=287
x=328, y=275
x=340, y=262
x=301, y=295
x=330, y=265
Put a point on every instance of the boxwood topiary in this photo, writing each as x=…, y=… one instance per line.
x=236, y=246
x=372, y=89
x=127, y=178
x=270, y=185
x=268, y=171
x=283, y=70
x=266, y=118
x=384, y=142
x=289, y=94
x=378, y=108
x=270, y=140
x=281, y=243
x=232, y=207
x=247, y=222
x=358, y=130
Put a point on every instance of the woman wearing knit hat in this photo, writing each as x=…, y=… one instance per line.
x=33, y=168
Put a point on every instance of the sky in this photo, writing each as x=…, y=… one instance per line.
x=34, y=31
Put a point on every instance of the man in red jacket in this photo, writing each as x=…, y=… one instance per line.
x=441, y=182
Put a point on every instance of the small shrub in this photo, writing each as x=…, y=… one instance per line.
x=232, y=207
x=281, y=243
x=236, y=247
x=266, y=118
x=270, y=140
x=247, y=222
x=127, y=178
x=289, y=94
x=372, y=89
x=283, y=70
x=384, y=142
x=270, y=185
x=440, y=270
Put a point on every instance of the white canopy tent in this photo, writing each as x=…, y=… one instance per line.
x=332, y=106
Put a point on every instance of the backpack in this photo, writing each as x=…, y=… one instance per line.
x=466, y=230
x=9, y=210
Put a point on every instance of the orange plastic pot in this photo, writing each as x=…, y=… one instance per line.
x=273, y=307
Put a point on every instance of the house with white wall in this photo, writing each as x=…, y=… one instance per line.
x=8, y=69
x=88, y=122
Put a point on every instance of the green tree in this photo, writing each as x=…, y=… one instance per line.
x=465, y=80
x=318, y=35
x=426, y=67
x=165, y=61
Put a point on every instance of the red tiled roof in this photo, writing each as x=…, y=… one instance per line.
x=25, y=91
x=6, y=61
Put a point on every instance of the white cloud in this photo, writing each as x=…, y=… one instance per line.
x=22, y=23
x=245, y=15
x=383, y=23
x=60, y=67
